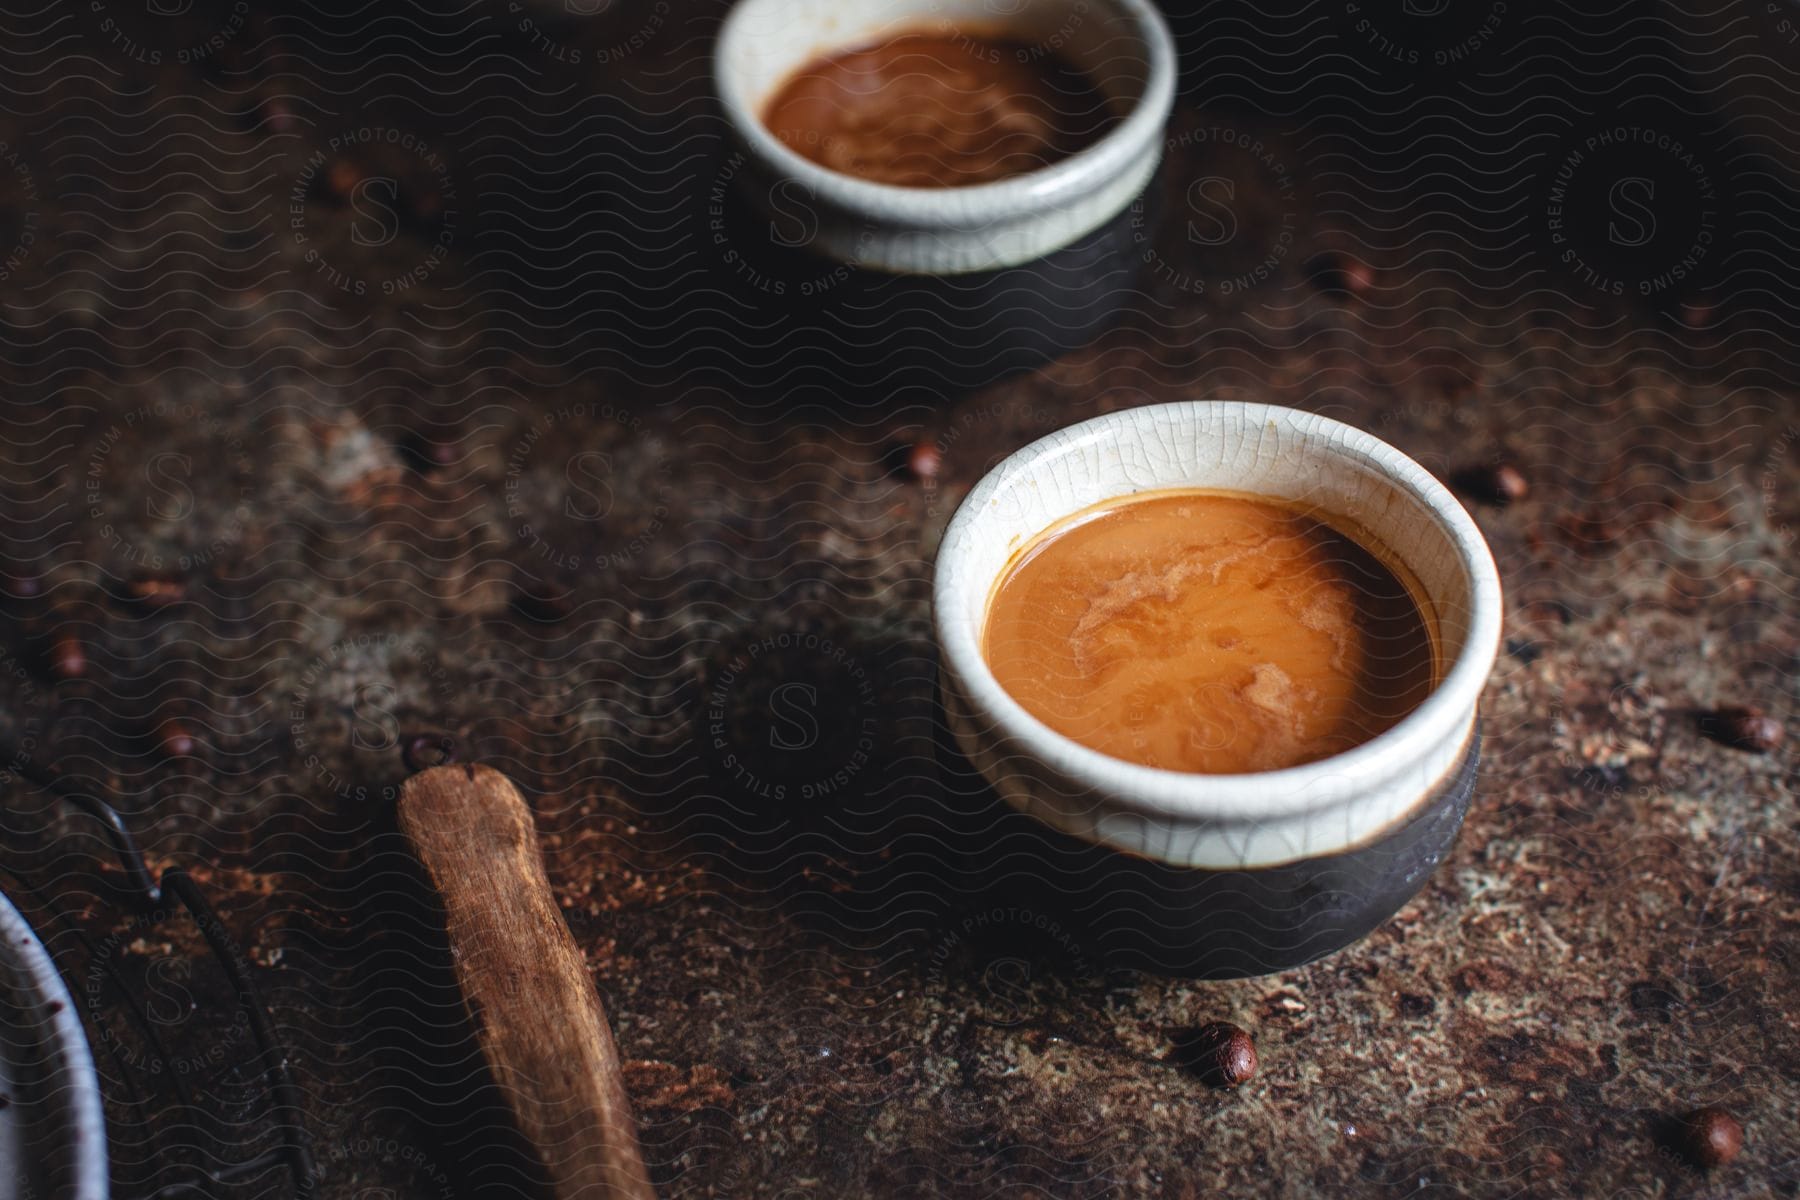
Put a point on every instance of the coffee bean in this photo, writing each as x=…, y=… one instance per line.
x=21, y=587
x=424, y=451
x=911, y=460
x=1221, y=1053
x=1711, y=1137
x=1499, y=484
x=1743, y=729
x=1510, y=483
x=279, y=118
x=175, y=740
x=68, y=660
x=924, y=461
x=156, y=591
x=1340, y=274
x=1524, y=650
x=342, y=177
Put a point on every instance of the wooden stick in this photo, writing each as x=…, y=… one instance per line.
x=524, y=981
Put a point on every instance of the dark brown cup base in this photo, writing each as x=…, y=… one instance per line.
x=862, y=334
x=1133, y=913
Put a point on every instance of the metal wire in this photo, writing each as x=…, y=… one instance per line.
x=124, y=846
x=150, y=894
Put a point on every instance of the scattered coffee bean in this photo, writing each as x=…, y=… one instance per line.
x=1499, y=484
x=68, y=660
x=1221, y=1053
x=21, y=587
x=1525, y=651
x=278, y=117
x=175, y=740
x=342, y=178
x=1510, y=483
x=156, y=591
x=1711, y=1137
x=424, y=451
x=925, y=460
x=1340, y=274
x=1743, y=729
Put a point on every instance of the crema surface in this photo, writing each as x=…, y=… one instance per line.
x=1209, y=632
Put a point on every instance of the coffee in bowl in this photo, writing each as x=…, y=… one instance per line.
x=934, y=109
x=1303, y=544
x=943, y=189
x=1211, y=631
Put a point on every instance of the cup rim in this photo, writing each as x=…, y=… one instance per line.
x=1328, y=782
x=1004, y=199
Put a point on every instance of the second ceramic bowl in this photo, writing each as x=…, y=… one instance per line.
x=1228, y=874
x=954, y=285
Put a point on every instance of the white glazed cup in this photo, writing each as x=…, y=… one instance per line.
x=1123, y=45
x=1374, y=820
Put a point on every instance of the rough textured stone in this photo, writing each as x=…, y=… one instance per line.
x=811, y=962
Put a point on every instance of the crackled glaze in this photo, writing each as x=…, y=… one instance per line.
x=1219, y=821
x=1123, y=44
x=52, y=1122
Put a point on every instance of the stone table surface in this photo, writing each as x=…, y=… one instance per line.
x=369, y=373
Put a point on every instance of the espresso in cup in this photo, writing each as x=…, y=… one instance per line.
x=938, y=109
x=1210, y=632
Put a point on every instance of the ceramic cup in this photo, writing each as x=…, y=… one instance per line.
x=52, y=1127
x=997, y=275
x=1223, y=875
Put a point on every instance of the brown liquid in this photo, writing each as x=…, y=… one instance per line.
x=1209, y=632
x=929, y=110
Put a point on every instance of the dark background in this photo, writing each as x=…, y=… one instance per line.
x=308, y=386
